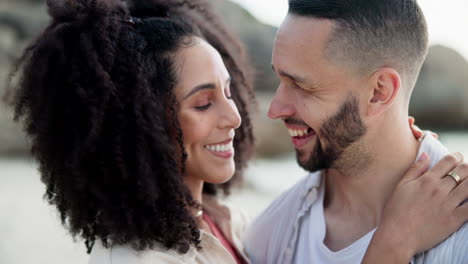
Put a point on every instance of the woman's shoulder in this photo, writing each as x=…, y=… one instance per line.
x=225, y=213
x=124, y=254
x=232, y=220
x=112, y=255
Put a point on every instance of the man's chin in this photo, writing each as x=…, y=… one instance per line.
x=304, y=160
x=307, y=167
x=302, y=156
x=313, y=162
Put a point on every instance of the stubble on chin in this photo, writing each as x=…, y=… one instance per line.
x=340, y=133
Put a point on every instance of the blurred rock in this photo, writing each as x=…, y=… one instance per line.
x=440, y=99
x=12, y=141
x=20, y=22
x=258, y=39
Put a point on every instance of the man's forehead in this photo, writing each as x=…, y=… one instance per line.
x=301, y=37
x=300, y=45
x=302, y=29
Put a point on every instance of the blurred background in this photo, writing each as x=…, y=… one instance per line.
x=30, y=229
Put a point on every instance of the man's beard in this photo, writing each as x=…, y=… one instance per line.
x=338, y=133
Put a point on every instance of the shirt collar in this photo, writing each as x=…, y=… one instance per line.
x=432, y=147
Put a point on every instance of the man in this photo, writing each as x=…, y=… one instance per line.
x=347, y=70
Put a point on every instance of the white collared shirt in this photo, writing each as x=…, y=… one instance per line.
x=273, y=237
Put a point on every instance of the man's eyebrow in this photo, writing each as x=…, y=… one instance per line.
x=289, y=75
x=200, y=87
x=205, y=86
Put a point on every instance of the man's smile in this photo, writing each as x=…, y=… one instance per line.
x=300, y=135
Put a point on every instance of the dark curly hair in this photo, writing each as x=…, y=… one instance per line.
x=95, y=94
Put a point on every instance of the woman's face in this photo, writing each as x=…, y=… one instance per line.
x=207, y=116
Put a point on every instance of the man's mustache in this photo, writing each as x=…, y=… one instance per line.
x=293, y=121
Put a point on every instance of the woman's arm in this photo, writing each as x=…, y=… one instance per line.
x=424, y=209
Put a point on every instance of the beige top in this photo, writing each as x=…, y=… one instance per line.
x=230, y=221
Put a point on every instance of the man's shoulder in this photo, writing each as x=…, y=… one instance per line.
x=433, y=147
x=292, y=199
x=272, y=229
x=453, y=250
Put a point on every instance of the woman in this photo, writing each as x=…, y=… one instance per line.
x=132, y=116
x=105, y=98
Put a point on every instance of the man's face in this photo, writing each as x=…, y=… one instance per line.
x=318, y=100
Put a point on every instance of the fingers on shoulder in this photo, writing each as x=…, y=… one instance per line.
x=446, y=165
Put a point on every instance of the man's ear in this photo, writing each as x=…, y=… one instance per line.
x=385, y=84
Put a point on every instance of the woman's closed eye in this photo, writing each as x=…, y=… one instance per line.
x=203, y=100
x=203, y=107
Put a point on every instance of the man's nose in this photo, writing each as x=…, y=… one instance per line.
x=282, y=106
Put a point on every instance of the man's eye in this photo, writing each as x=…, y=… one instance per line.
x=307, y=91
x=204, y=107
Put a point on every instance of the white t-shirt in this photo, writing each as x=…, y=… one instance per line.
x=292, y=228
x=313, y=230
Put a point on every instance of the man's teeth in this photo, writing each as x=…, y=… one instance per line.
x=298, y=133
x=219, y=148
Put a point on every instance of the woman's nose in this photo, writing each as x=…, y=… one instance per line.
x=231, y=117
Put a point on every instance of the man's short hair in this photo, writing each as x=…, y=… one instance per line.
x=372, y=33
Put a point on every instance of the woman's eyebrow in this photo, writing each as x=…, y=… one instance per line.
x=204, y=87
x=200, y=87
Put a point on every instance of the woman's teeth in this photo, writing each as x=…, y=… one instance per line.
x=299, y=133
x=219, y=148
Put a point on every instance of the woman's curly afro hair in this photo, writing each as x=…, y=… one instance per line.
x=95, y=96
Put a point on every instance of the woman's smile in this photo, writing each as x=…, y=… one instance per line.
x=223, y=149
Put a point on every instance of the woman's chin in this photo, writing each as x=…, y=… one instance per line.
x=220, y=178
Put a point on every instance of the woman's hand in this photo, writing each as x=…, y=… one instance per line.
x=425, y=208
x=417, y=132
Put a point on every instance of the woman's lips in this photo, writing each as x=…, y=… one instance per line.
x=223, y=149
x=225, y=154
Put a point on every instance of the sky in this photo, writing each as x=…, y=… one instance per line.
x=447, y=20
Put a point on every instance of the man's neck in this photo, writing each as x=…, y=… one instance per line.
x=354, y=199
